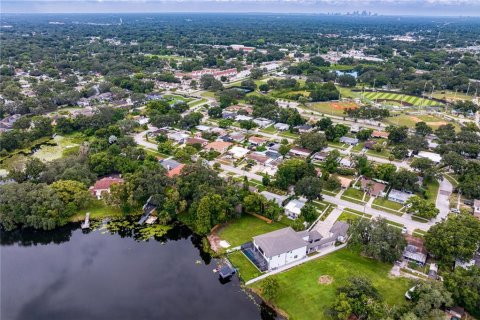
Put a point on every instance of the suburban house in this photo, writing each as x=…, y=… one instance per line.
x=278, y=248
x=470, y=263
x=237, y=137
x=218, y=146
x=476, y=208
x=435, y=157
x=281, y=126
x=238, y=152
x=293, y=208
x=258, y=158
x=273, y=196
x=346, y=163
x=262, y=122
x=415, y=250
x=380, y=134
x=304, y=128
x=170, y=164
x=175, y=171
x=299, y=152
x=349, y=140
x=103, y=186
x=241, y=117
x=320, y=156
x=345, y=182
x=200, y=141
x=257, y=141
x=372, y=188
x=398, y=196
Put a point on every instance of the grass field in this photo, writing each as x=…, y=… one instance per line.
x=400, y=98
x=246, y=269
x=240, y=231
x=302, y=297
x=451, y=95
x=98, y=210
x=387, y=205
x=411, y=120
x=356, y=196
x=333, y=108
x=432, y=191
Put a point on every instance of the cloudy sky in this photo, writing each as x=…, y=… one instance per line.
x=387, y=7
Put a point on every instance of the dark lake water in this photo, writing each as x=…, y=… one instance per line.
x=67, y=274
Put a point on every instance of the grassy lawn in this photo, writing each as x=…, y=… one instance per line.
x=241, y=230
x=338, y=145
x=356, y=196
x=432, y=191
x=359, y=147
x=287, y=134
x=246, y=269
x=302, y=297
x=382, y=154
x=208, y=94
x=269, y=129
x=419, y=233
x=378, y=203
x=197, y=102
x=98, y=210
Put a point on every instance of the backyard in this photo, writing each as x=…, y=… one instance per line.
x=301, y=295
x=241, y=230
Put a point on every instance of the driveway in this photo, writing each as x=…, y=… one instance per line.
x=443, y=199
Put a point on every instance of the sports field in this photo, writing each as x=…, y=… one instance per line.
x=333, y=108
x=400, y=98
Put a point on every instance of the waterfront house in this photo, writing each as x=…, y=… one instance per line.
x=103, y=185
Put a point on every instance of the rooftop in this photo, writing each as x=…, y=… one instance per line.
x=279, y=241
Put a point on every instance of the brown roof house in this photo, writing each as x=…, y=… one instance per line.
x=103, y=186
x=372, y=188
x=218, y=146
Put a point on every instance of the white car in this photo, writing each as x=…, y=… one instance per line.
x=404, y=230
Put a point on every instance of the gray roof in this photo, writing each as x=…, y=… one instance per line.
x=170, y=164
x=348, y=140
x=273, y=196
x=399, y=195
x=280, y=241
x=340, y=228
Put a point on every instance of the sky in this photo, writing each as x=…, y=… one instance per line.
x=384, y=7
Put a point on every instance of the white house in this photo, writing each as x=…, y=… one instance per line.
x=280, y=247
x=281, y=126
x=238, y=152
x=435, y=157
x=293, y=208
x=399, y=196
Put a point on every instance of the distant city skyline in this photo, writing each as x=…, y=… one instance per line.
x=382, y=7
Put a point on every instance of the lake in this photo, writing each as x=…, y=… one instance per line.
x=69, y=274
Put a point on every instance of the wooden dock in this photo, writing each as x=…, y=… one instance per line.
x=86, y=223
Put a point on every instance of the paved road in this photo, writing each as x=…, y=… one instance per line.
x=140, y=139
x=443, y=203
x=405, y=219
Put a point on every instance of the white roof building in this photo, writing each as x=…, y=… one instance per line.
x=294, y=207
x=238, y=152
x=435, y=157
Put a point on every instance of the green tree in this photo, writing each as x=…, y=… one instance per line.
x=331, y=162
x=309, y=213
x=421, y=208
x=313, y=141
x=464, y=284
x=422, y=129
x=270, y=288
x=377, y=239
x=310, y=187
x=458, y=237
x=364, y=134
x=292, y=170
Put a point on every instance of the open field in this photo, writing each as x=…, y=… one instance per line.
x=400, y=98
x=411, y=120
x=311, y=298
x=451, y=95
x=333, y=108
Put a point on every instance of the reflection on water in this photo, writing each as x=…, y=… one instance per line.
x=68, y=274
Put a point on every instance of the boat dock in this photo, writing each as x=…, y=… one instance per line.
x=86, y=223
